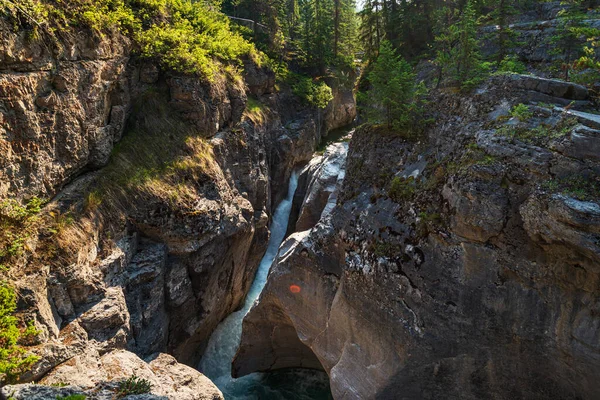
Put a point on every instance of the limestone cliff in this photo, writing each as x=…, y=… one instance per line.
x=160, y=189
x=461, y=265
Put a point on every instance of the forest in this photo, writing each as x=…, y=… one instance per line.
x=305, y=41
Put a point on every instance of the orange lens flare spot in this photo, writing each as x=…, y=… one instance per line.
x=295, y=289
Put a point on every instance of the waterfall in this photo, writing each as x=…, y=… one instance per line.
x=221, y=348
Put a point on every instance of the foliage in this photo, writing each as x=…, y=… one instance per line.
x=134, y=385
x=13, y=358
x=457, y=54
x=18, y=223
x=427, y=223
x=540, y=135
x=314, y=34
x=255, y=111
x=511, y=64
x=578, y=187
x=181, y=35
x=521, y=112
x=393, y=96
x=191, y=38
x=402, y=189
x=588, y=65
x=316, y=94
x=577, y=44
x=72, y=397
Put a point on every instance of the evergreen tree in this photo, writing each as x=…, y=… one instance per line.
x=393, y=88
x=568, y=33
x=502, y=11
x=457, y=49
x=369, y=33
x=467, y=56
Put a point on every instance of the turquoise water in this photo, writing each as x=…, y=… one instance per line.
x=293, y=384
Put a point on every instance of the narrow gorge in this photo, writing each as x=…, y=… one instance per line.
x=305, y=201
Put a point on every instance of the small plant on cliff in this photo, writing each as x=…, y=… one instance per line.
x=402, y=189
x=17, y=223
x=521, y=112
x=511, y=64
x=72, y=397
x=580, y=188
x=134, y=385
x=256, y=111
x=13, y=358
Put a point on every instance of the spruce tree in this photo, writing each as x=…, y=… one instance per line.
x=393, y=87
x=457, y=50
x=467, y=54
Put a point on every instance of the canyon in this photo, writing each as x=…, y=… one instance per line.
x=461, y=262
x=153, y=271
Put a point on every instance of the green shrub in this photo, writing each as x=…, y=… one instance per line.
x=402, y=189
x=13, y=358
x=181, y=35
x=316, y=94
x=427, y=223
x=521, y=112
x=72, y=397
x=511, y=64
x=134, y=385
x=17, y=224
x=576, y=187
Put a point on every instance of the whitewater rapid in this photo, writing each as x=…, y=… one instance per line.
x=223, y=344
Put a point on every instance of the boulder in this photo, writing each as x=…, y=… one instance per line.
x=551, y=87
x=98, y=378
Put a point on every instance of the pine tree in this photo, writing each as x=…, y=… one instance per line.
x=370, y=35
x=503, y=9
x=467, y=56
x=457, y=49
x=393, y=87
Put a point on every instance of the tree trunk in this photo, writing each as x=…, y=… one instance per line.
x=336, y=27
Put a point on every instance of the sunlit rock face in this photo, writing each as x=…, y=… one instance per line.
x=98, y=377
x=462, y=265
x=153, y=275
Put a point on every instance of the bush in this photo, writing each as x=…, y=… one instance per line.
x=134, y=385
x=17, y=223
x=72, y=397
x=13, y=358
x=402, y=189
x=181, y=35
x=521, y=112
x=316, y=94
x=510, y=64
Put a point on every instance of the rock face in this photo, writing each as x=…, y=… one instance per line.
x=82, y=99
x=317, y=183
x=98, y=378
x=149, y=271
x=462, y=266
x=341, y=111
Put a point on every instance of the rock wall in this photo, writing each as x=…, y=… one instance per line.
x=59, y=115
x=147, y=271
x=464, y=265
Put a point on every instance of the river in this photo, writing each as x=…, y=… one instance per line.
x=279, y=385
